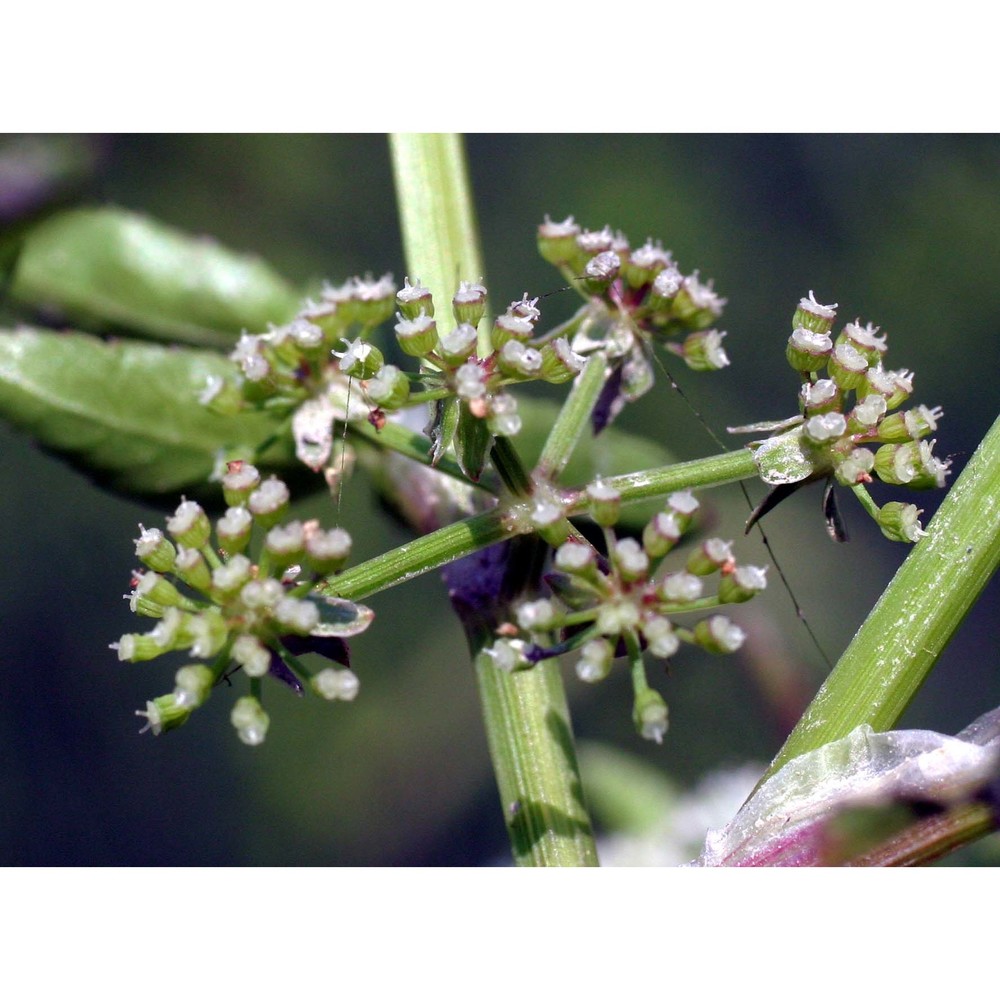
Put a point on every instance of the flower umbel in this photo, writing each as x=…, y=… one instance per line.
x=256, y=616
x=622, y=602
x=846, y=402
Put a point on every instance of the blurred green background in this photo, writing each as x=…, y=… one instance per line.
x=899, y=230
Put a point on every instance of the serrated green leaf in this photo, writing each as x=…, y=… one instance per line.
x=117, y=269
x=127, y=412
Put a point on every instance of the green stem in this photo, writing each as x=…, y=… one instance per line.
x=915, y=618
x=440, y=236
x=527, y=720
x=573, y=419
x=453, y=541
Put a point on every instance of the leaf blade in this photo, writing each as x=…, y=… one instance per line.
x=112, y=268
x=127, y=412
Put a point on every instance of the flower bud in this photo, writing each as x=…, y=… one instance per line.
x=910, y=425
x=503, y=419
x=262, y=595
x=821, y=396
x=600, y=271
x=603, y=503
x=285, y=544
x=661, y=640
x=390, y=389
x=645, y=263
x=536, y=615
x=136, y=647
x=252, y=655
x=664, y=290
x=328, y=551
x=229, y=578
x=697, y=305
x=825, y=427
x=240, y=480
x=336, y=685
x=249, y=356
x=193, y=570
x=269, y=502
x=517, y=361
x=470, y=381
x=507, y=655
x=596, y=657
x=616, y=616
x=190, y=525
x=418, y=336
x=630, y=560
x=414, y=300
x=469, y=303
x=250, y=720
x=459, y=345
x=864, y=339
x=374, y=302
x=900, y=522
x=810, y=315
x=194, y=685
x=158, y=589
x=557, y=240
x=206, y=633
x=742, y=584
x=866, y=414
x=808, y=351
x=855, y=467
x=360, y=360
x=711, y=556
x=681, y=587
x=560, y=362
x=650, y=715
x=577, y=559
x=233, y=530
x=661, y=534
x=848, y=367
x=511, y=327
x=299, y=616
x=155, y=550
x=703, y=351
x=718, y=635
x=163, y=713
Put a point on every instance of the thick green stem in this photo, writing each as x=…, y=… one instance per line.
x=527, y=720
x=915, y=618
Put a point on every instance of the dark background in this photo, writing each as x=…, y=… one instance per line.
x=899, y=230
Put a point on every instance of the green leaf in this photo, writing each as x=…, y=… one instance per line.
x=116, y=269
x=127, y=412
